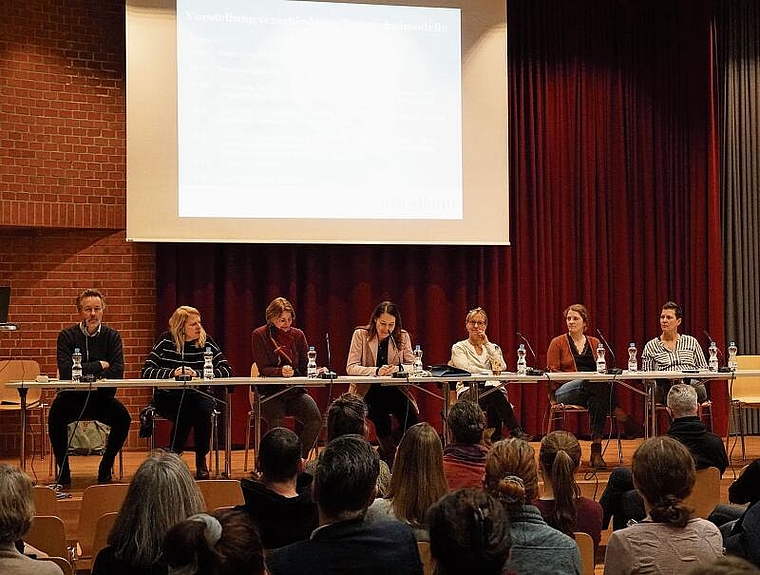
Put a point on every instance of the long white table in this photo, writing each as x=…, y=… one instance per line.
x=626, y=378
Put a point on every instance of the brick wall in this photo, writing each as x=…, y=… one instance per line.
x=62, y=185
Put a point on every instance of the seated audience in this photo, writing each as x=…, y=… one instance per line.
x=345, y=483
x=469, y=533
x=669, y=539
x=221, y=543
x=561, y=504
x=537, y=549
x=742, y=537
x=464, y=459
x=348, y=414
x=280, y=503
x=16, y=515
x=620, y=501
x=417, y=481
x=161, y=493
x=725, y=565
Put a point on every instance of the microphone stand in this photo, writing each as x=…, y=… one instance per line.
x=329, y=374
x=614, y=370
x=401, y=373
x=531, y=370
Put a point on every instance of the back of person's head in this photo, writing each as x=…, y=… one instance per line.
x=682, y=400
x=346, y=477
x=559, y=458
x=511, y=474
x=469, y=533
x=346, y=415
x=279, y=455
x=221, y=543
x=466, y=422
x=161, y=493
x=664, y=474
x=418, y=478
x=726, y=565
x=16, y=503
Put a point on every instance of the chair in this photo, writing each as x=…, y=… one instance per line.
x=64, y=564
x=23, y=370
x=48, y=534
x=428, y=563
x=586, y=548
x=220, y=492
x=706, y=493
x=743, y=392
x=102, y=529
x=97, y=500
x=45, y=501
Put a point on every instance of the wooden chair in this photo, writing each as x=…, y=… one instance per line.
x=65, y=566
x=586, y=548
x=48, y=534
x=428, y=563
x=23, y=370
x=97, y=500
x=743, y=392
x=706, y=493
x=102, y=529
x=220, y=493
x=45, y=501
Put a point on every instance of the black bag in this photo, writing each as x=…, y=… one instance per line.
x=444, y=369
x=146, y=421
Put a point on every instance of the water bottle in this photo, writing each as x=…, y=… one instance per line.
x=311, y=366
x=712, y=363
x=601, y=363
x=417, y=368
x=208, y=364
x=632, y=362
x=732, y=351
x=522, y=366
x=76, y=366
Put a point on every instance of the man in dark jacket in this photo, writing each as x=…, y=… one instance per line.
x=464, y=460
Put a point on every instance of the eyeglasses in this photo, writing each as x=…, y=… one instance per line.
x=477, y=322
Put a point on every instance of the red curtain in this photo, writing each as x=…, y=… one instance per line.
x=614, y=203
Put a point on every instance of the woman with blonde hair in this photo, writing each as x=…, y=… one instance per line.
x=561, y=504
x=178, y=353
x=161, y=493
x=537, y=548
x=417, y=481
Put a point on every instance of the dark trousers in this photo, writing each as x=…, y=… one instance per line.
x=382, y=402
x=101, y=406
x=191, y=411
x=498, y=410
x=595, y=396
x=620, y=500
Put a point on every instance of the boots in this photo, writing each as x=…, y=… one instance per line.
x=387, y=450
x=597, y=461
x=201, y=471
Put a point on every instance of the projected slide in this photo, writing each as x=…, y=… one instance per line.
x=318, y=110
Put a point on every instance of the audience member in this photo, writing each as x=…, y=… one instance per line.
x=469, y=533
x=280, y=503
x=561, y=504
x=417, y=481
x=464, y=459
x=221, y=543
x=16, y=515
x=620, y=501
x=669, y=539
x=725, y=565
x=742, y=537
x=512, y=477
x=161, y=493
x=345, y=484
x=348, y=414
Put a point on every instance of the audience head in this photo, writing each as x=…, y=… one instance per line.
x=345, y=478
x=277, y=307
x=469, y=533
x=221, y=543
x=161, y=493
x=418, y=479
x=389, y=308
x=346, y=415
x=466, y=422
x=559, y=459
x=16, y=503
x=674, y=307
x=180, y=323
x=682, y=400
x=726, y=565
x=280, y=455
x=664, y=474
x=511, y=474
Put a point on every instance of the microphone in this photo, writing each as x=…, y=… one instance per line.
x=400, y=373
x=183, y=376
x=329, y=374
x=530, y=370
x=721, y=368
x=614, y=370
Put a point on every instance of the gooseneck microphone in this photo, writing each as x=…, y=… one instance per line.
x=183, y=376
x=400, y=372
x=721, y=368
x=531, y=370
x=614, y=370
x=329, y=374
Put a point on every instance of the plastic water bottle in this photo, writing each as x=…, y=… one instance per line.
x=633, y=364
x=76, y=366
x=712, y=363
x=732, y=351
x=208, y=364
x=601, y=363
x=417, y=368
x=522, y=366
x=311, y=366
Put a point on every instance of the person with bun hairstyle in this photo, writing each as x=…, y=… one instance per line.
x=537, y=548
x=561, y=504
x=669, y=539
